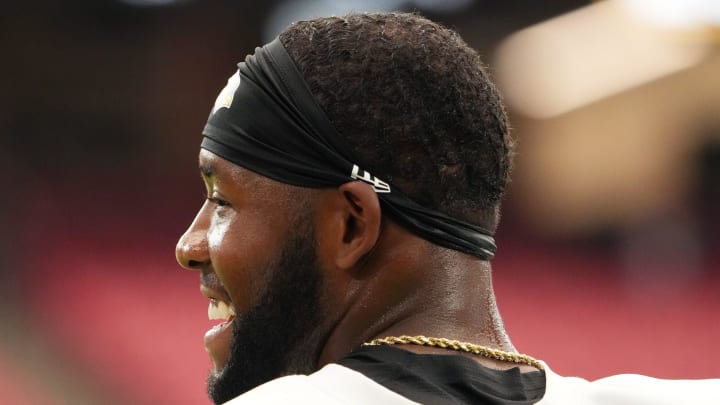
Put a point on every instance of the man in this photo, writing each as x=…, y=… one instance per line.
x=354, y=169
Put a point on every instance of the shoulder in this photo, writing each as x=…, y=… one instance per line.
x=629, y=389
x=333, y=384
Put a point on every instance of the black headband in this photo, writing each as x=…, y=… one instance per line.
x=267, y=120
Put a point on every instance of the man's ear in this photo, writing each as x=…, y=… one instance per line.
x=356, y=224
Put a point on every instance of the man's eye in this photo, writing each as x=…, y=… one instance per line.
x=217, y=201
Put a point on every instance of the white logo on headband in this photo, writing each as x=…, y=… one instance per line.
x=378, y=185
x=225, y=98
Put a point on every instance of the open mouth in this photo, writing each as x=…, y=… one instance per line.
x=219, y=310
x=219, y=338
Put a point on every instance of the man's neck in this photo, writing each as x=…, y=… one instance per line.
x=416, y=288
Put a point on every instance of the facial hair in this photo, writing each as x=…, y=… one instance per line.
x=280, y=335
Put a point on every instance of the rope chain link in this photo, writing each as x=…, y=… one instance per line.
x=458, y=346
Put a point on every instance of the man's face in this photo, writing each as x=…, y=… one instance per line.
x=254, y=243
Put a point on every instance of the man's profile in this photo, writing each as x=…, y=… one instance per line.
x=354, y=169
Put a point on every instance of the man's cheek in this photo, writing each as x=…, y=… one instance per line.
x=216, y=234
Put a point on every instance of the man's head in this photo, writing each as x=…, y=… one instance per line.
x=414, y=105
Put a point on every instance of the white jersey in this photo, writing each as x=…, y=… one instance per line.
x=333, y=384
x=336, y=384
x=629, y=389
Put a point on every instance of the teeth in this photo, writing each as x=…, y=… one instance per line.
x=220, y=310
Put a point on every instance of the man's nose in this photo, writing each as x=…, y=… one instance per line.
x=191, y=250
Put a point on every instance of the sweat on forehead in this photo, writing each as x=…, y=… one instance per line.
x=217, y=170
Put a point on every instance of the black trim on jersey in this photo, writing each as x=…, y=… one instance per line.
x=445, y=379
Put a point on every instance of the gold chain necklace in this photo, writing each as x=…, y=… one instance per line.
x=458, y=346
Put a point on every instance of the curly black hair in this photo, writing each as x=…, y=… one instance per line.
x=415, y=105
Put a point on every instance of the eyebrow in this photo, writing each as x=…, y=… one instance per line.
x=207, y=169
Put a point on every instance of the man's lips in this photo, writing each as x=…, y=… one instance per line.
x=219, y=338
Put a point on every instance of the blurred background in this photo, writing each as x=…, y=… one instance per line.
x=608, y=255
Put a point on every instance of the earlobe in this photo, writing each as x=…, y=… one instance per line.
x=361, y=226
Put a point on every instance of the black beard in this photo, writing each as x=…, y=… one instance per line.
x=280, y=335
